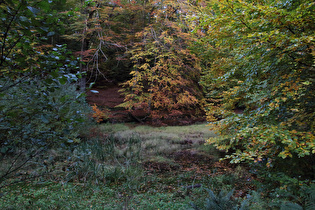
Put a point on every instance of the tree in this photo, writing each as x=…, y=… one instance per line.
x=165, y=75
x=103, y=31
x=39, y=107
x=25, y=25
x=263, y=63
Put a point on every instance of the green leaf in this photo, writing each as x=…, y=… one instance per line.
x=44, y=29
x=33, y=10
x=70, y=141
x=63, y=80
x=44, y=119
x=51, y=33
x=24, y=19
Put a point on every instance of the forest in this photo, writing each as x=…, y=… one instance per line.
x=157, y=104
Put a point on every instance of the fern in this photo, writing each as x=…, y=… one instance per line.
x=310, y=197
x=290, y=206
x=221, y=201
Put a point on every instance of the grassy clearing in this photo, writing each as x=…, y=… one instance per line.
x=165, y=140
x=143, y=129
x=132, y=167
x=123, y=166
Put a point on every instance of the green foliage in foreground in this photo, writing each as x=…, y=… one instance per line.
x=35, y=114
x=34, y=119
x=39, y=112
x=39, y=106
x=49, y=195
x=254, y=200
x=71, y=196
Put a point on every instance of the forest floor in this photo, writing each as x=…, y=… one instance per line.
x=110, y=98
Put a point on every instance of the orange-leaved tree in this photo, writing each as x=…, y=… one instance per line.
x=166, y=73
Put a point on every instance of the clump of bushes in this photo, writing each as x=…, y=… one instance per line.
x=35, y=117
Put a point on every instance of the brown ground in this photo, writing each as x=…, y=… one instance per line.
x=111, y=97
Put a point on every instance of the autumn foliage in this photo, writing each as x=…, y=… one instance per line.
x=247, y=66
x=261, y=60
x=165, y=72
x=100, y=115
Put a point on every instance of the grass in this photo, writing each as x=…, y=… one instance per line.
x=70, y=196
x=161, y=192
x=165, y=140
x=123, y=166
x=116, y=172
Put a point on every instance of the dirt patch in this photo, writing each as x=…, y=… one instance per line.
x=192, y=157
x=182, y=161
x=192, y=160
x=201, y=165
x=110, y=98
x=159, y=167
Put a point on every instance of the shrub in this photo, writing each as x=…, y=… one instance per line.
x=33, y=116
x=36, y=116
x=220, y=201
x=100, y=114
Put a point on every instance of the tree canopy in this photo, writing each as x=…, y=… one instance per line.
x=261, y=59
x=166, y=73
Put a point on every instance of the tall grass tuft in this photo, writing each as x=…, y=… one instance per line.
x=105, y=160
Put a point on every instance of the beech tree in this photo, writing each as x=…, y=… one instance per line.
x=261, y=59
x=165, y=74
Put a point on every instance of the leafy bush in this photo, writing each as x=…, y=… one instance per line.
x=31, y=115
x=220, y=201
x=257, y=200
x=100, y=114
x=39, y=111
x=39, y=108
x=35, y=117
